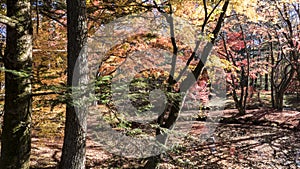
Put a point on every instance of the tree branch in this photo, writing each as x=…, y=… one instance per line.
x=8, y=21
x=209, y=46
x=55, y=18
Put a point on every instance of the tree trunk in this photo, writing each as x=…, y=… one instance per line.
x=279, y=100
x=272, y=74
x=266, y=82
x=15, y=144
x=267, y=77
x=241, y=109
x=280, y=88
x=74, y=147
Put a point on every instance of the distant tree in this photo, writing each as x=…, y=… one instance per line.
x=240, y=49
x=16, y=139
x=282, y=21
x=239, y=69
x=74, y=147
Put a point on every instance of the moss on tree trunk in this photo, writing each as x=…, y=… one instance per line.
x=16, y=139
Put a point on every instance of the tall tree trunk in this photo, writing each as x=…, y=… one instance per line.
x=272, y=74
x=74, y=147
x=266, y=82
x=16, y=139
x=267, y=76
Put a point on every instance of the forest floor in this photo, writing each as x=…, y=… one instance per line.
x=263, y=138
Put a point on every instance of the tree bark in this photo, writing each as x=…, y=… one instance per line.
x=16, y=138
x=74, y=147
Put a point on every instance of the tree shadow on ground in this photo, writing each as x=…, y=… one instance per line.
x=264, y=117
x=245, y=146
x=259, y=139
x=234, y=146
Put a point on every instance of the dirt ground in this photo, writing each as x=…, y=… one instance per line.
x=263, y=138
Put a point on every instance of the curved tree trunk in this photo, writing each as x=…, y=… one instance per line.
x=74, y=147
x=16, y=139
x=279, y=89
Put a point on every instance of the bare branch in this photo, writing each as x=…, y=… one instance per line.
x=208, y=15
x=297, y=9
x=55, y=18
